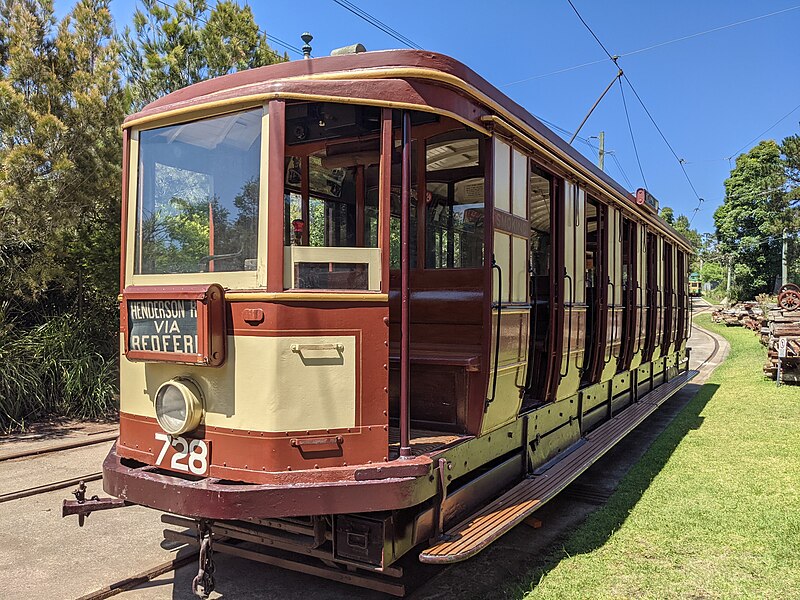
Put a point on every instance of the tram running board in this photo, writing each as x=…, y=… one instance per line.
x=482, y=528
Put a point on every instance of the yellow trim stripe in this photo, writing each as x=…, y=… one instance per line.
x=304, y=297
x=250, y=101
x=299, y=297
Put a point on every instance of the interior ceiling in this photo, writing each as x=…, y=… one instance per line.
x=238, y=131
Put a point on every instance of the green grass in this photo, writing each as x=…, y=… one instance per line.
x=711, y=511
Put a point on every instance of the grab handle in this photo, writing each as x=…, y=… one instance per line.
x=639, y=313
x=499, y=306
x=298, y=348
x=569, y=326
x=613, y=321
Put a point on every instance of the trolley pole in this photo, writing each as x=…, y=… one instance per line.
x=405, y=320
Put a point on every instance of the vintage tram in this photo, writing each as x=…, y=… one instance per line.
x=695, y=285
x=372, y=308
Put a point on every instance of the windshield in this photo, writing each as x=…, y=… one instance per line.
x=198, y=194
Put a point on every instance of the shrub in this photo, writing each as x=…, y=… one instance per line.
x=53, y=368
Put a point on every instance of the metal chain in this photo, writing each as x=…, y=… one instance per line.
x=203, y=584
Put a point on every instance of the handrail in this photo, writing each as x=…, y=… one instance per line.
x=499, y=306
x=613, y=320
x=639, y=318
x=569, y=326
x=534, y=293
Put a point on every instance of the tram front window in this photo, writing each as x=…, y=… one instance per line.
x=198, y=195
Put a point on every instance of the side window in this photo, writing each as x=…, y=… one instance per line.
x=455, y=201
x=330, y=217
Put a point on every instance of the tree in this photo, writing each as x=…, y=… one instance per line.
x=667, y=214
x=60, y=108
x=170, y=48
x=751, y=220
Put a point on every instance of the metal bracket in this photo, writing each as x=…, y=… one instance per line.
x=442, y=482
x=83, y=507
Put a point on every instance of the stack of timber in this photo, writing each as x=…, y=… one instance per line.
x=747, y=314
x=783, y=321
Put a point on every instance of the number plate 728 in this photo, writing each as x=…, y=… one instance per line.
x=189, y=456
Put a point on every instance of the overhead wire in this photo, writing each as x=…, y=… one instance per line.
x=615, y=59
x=767, y=130
x=653, y=46
x=630, y=129
x=376, y=22
x=269, y=37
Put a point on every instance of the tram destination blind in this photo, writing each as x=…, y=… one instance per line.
x=168, y=326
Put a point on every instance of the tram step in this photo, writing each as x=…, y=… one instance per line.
x=480, y=529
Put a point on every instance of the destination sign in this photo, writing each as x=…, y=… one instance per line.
x=163, y=326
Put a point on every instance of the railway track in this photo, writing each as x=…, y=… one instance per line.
x=92, y=440
x=98, y=438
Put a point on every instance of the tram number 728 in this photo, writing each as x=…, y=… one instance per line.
x=189, y=455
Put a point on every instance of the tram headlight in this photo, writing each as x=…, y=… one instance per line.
x=178, y=406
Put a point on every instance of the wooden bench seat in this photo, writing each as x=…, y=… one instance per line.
x=469, y=359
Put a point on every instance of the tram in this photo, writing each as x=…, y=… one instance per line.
x=695, y=285
x=372, y=310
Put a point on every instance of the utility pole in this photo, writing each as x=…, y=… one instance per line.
x=730, y=262
x=601, y=154
x=784, y=263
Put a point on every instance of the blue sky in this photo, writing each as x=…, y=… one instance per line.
x=710, y=95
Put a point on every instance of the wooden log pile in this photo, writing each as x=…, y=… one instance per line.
x=741, y=314
x=782, y=320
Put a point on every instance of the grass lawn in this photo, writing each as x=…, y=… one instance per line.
x=711, y=511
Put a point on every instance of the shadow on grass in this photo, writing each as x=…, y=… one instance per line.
x=595, y=531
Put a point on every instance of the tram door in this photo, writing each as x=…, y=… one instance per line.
x=668, y=299
x=680, y=278
x=639, y=248
x=596, y=278
x=542, y=193
x=654, y=298
x=629, y=332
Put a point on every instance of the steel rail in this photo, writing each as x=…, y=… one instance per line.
x=140, y=578
x=99, y=439
x=49, y=487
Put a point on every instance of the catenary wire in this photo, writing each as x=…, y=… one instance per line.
x=268, y=36
x=775, y=124
x=374, y=21
x=614, y=59
x=630, y=129
x=658, y=45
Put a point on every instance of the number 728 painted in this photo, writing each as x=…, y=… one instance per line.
x=190, y=455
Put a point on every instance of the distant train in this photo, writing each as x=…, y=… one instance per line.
x=695, y=285
x=372, y=309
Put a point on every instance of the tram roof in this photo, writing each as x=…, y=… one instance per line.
x=372, y=69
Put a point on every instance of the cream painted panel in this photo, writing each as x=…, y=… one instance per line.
x=519, y=273
x=507, y=401
x=580, y=248
x=264, y=385
x=502, y=175
x=502, y=255
x=328, y=254
x=519, y=198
